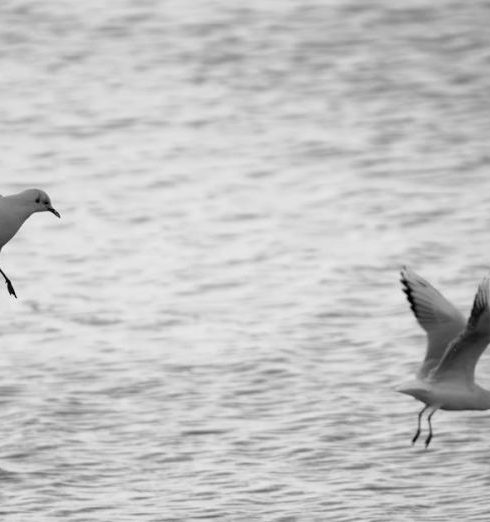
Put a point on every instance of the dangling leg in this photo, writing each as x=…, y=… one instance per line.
x=417, y=433
x=9, y=284
x=429, y=438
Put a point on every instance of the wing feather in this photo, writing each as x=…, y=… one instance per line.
x=461, y=356
x=436, y=315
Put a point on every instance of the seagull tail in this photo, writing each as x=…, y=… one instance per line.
x=416, y=389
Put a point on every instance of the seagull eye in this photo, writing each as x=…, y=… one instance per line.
x=38, y=199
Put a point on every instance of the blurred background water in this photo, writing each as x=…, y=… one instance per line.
x=215, y=328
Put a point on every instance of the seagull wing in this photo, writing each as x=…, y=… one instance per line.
x=435, y=314
x=461, y=356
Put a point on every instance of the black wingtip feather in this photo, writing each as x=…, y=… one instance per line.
x=408, y=292
x=480, y=303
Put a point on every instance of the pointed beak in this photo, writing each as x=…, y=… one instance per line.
x=53, y=211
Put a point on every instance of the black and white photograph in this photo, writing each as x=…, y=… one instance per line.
x=244, y=260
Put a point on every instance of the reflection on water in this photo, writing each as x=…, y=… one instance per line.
x=215, y=327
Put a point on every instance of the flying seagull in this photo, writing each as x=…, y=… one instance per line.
x=446, y=378
x=14, y=210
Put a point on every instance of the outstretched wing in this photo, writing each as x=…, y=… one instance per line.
x=435, y=314
x=461, y=356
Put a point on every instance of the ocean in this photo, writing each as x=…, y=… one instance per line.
x=215, y=328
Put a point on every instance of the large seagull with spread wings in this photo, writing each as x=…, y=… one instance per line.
x=446, y=377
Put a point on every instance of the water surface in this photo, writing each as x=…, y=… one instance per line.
x=215, y=327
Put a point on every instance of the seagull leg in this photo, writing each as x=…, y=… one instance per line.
x=429, y=438
x=417, y=433
x=9, y=284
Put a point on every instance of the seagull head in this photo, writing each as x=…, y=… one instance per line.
x=37, y=201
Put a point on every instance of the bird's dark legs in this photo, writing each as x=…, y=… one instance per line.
x=9, y=284
x=417, y=433
x=429, y=437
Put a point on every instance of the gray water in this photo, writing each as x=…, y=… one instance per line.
x=215, y=328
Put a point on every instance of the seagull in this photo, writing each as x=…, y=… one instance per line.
x=14, y=210
x=446, y=377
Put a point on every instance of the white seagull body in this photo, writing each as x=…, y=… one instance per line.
x=446, y=378
x=14, y=210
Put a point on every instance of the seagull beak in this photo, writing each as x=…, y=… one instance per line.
x=53, y=211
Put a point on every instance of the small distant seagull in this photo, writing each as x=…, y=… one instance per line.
x=14, y=210
x=446, y=378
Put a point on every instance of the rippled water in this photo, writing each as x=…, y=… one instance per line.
x=215, y=327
